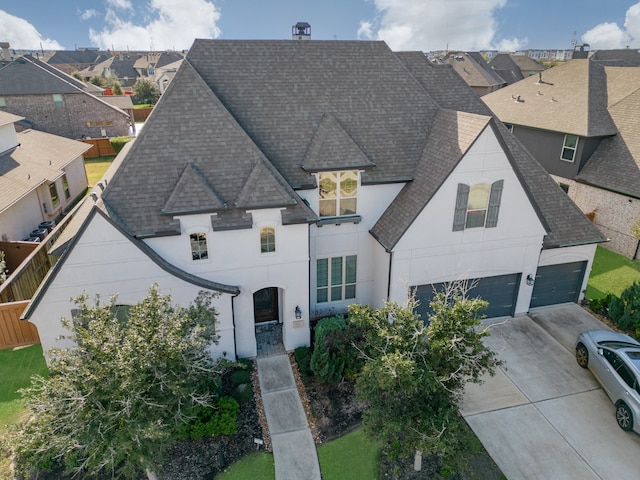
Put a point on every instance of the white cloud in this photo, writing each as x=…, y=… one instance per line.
x=365, y=32
x=611, y=35
x=87, y=14
x=429, y=25
x=22, y=35
x=511, y=44
x=121, y=4
x=167, y=24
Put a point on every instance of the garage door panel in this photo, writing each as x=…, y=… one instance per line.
x=558, y=284
x=500, y=291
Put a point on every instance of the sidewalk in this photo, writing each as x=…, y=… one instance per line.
x=294, y=452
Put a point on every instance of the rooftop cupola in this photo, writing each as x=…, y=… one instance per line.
x=301, y=31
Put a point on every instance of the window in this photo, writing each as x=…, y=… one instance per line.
x=569, y=148
x=338, y=193
x=3, y=103
x=477, y=206
x=53, y=191
x=88, y=124
x=199, y=246
x=99, y=123
x=267, y=240
x=57, y=100
x=336, y=278
x=65, y=187
x=564, y=187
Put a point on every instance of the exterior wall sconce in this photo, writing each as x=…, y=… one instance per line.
x=298, y=312
x=530, y=280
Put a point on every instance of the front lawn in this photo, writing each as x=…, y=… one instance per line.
x=611, y=273
x=258, y=466
x=352, y=457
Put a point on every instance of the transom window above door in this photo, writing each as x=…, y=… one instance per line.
x=338, y=193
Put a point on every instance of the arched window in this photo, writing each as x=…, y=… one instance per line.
x=267, y=240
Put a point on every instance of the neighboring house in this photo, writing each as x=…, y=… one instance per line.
x=40, y=176
x=624, y=57
x=165, y=74
x=54, y=102
x=150, y=63
x=513, y=68
x=475, y=71
x=580, y=120
x=120, y=66
x=297, y=177
x=70, y=61
x=124, y=103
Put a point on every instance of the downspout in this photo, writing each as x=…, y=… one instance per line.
x=389, y=276
x=635, y=255
x=309, y=281
x=233, y=322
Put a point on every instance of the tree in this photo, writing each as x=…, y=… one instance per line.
x=116, y=401
x=414, y=373
x=635, y=229
x=99, y=81
x=146, y=91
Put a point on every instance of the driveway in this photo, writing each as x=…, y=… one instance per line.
x=542, y=416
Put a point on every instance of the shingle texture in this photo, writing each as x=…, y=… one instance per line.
x=248, y=121
x=567, y=98
x=40, y=159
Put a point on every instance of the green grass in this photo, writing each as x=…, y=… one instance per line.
x=258, y=466
x=611, y=273
x=16, y=368
x=352, y=457
x=96, y=167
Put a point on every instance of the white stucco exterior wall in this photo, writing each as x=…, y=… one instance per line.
x=235, y=259
x=104, y=262
x=430, y=252
x=17, y=221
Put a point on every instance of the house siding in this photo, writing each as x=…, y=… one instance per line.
x=613, y=214
x=71, y=120
x=546, y=147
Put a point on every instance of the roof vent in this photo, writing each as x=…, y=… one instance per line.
x=301, y=31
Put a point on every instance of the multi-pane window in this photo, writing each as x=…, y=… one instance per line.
x=53, y=191
x=267, y=240
x=338, y=193
x=57, y=100
x=336, y=278
x=477, y=205
x=3, y=102
x=199, y=246
x=65, y=187
x=569, y=148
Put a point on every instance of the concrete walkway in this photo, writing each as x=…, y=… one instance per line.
x=294, y=452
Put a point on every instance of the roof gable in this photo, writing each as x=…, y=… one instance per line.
x=333, y=149
x=24, y=77
x=262, y=190
x=192, y=194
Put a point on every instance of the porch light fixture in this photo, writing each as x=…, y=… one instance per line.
x=530, y=280
x=298, y=312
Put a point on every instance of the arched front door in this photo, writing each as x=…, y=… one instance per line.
x=265, y=305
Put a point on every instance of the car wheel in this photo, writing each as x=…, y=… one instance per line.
x=624, y=417
x=582, y=355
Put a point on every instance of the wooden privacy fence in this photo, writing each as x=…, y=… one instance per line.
x=100, y=147
x=13, y=331
x=141, y=114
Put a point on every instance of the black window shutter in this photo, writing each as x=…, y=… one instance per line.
x=460, y=215
x=494, y=204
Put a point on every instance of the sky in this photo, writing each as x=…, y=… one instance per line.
x=426, y=25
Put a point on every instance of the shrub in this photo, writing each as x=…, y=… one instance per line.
x=117, y=143
x=221, y=419
x=624, y=310
x=601, y=305
x=303, y=359
x=616, y=309
x=239, y=377
x=334, y=355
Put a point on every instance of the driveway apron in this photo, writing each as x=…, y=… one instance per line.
x=294, y=451
x=541, y=415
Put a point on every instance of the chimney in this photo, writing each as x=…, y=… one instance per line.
x=5, y=55
x=301, y=31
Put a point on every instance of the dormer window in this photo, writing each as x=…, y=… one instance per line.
x=338, y=193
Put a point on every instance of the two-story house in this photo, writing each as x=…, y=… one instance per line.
x=297, y=177
x=579, y=120
x=54, y=102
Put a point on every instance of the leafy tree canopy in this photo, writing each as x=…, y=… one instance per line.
x=414, y=373
x=98, y=80
x=116, y=401
x=146, y=91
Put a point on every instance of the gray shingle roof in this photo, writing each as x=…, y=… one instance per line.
x=239, y=108
x=25, y=77
x=504, y=65
x=569, y=99
x=624, y=57
x=471, y=68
